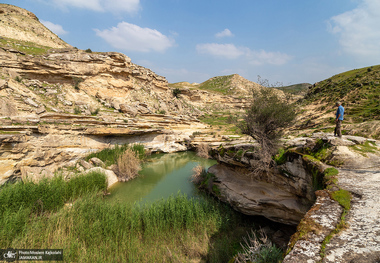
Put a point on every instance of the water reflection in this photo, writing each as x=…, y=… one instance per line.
x=162, y=176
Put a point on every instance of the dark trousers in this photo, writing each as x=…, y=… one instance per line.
x=338, y=128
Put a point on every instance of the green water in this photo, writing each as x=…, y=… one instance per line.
x=162, y=175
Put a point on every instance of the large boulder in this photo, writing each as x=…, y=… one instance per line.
x=111, y=176
x=253, y=197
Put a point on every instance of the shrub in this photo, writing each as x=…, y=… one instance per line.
x=203, y=150
x=176, y=92
x=77, y=81
x=266, y=118
x=95, y=112
x=88, y=50
x=77, y=110
x=128, y=165
x=18, y=79
x=198, y=175
x=259, y=249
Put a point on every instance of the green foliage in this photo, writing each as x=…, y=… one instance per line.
x=50, y=194
x=343, y=197
x=25, y=47
x=110, y=155
x=280, y=158
x=358, y=89
x=93, y=230
x=296, y=88
x=88, y=50
x=77, y=110
x=220, y=84
x=365, y=148
x=77, y=81
x=330, y=176
x=267, y=117
x=95, y=112
x=321, y=151
x=18, y=79
x=176, y=92
x=259, y=249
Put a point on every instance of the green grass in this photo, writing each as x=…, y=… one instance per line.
x=28, y=48
x=22, y=201
x=358, y=89
x=280, y=158
x=110, y=155
x=93, y=230
x=296, y=88
x=343, y=197
x=220, y=85
x=367, y=147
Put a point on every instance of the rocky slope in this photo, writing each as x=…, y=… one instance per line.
x=20, y=24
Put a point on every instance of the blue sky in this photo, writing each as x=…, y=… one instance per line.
x=289, y=41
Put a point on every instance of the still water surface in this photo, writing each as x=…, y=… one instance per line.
x=162, y=175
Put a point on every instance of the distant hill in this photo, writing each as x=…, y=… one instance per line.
x=296, y=89
x=225, y=85
x=19, y=25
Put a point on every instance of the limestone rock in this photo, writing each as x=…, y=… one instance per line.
x=96, y=161
x=35, y=173
x=128, y=109
x=111, y=176
x=7, y=107
x=40, y=110
x=253, y=197
x=3, y=84
x=85, y=164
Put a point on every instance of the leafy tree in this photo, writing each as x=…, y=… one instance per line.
x=265, y=120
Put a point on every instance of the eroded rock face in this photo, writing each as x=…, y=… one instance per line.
x=253, y=197
x=45, y=149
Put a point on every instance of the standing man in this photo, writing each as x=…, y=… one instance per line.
x=339, y=119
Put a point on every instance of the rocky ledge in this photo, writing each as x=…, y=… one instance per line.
x=348, y=232
x=328, y=186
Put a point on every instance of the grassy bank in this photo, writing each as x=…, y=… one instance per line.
x=90, y=229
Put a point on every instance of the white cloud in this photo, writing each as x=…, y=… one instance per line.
x=55, y=28
x=225, y=33
x=130, y=37
x=230, y=51
x=263, y=57
x=358, y=29
x=129, y=6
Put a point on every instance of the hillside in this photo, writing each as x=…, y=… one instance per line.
x=224, y=85
x=296, y=89
x=359, y=92
x=229, y=85
x=19, y=24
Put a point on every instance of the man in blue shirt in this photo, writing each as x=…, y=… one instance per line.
x=339, y=119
